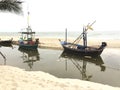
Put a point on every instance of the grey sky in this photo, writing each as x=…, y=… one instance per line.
x=56, y=15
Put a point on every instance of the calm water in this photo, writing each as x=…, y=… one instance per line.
x=104, y=69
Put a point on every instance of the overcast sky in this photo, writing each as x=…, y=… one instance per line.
x=56, y=15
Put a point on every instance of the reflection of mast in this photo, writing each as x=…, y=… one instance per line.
x=66, y=65
x=75, y=59
x=30, y=56
x=82, y=69
x=3, y=57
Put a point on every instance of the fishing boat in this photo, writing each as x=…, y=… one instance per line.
x=27, y=39
x=83, y=50
x=6, y=42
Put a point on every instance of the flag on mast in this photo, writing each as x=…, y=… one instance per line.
x=89, y=27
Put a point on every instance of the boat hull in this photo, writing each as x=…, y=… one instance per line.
x=6, y=43
x=83, y=51
x=28, y=47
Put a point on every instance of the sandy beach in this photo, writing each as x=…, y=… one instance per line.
x=12, y=78
x=54, y=42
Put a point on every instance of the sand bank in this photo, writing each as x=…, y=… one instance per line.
x=12, y=78
x=54, y=42
x=51, y=42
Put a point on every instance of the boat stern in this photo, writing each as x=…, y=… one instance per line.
x=103, y=45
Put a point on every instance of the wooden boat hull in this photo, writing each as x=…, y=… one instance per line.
x=83, y=51
x=6, y=43
x=28, y=47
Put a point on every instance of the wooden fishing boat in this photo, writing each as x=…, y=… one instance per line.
x=6, y=42
x=27, y=40
x=83, y=50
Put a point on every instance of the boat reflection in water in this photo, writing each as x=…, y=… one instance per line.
x=4, y=57
x=5, y=43
x=76, y=60
x=30, y=56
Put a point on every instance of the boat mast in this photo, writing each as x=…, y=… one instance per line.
x=28, y=19
x=84, y=37
x=66, y=35
x=28, y=23
x=29, y=30
x=84, y=34
x=85, y=29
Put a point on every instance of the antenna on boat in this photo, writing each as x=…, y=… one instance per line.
x=28, y=18
x=28, y=14
x=28, y=22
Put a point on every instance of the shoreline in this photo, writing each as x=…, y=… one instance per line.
x=53, y=42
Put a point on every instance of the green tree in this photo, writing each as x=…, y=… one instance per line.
x=13, y=6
